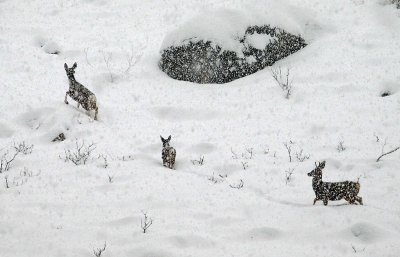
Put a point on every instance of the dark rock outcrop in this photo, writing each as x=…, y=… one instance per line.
x=202, y=61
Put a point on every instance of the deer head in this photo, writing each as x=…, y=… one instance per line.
x=70, y=71
x=317, y=172
x=165, y=142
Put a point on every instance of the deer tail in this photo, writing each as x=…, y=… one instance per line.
x=93, y=102
x=357, y=186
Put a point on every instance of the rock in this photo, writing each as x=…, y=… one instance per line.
x=204, y=61
x=397, y=3
x=51, y=47
x=60, y=137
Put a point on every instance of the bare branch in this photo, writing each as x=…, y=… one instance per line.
x=301, y=157
x=340, y=147
x=99, y=251
x=249, y=154
x=198, y=162
x=107, y=60
x=392, y=151
x=283, y=80
x=289, y=150
x=110, y=178
x=80, y=155
x=6, y=161
x=21, y=147
x=105, y=160
x=234, y=155
x=6, y=179
x=238, y=186
x=288, y=175
x=133, y=59
x=86, y=50
x=146, y=223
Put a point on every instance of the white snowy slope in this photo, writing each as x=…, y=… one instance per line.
x=55, y=208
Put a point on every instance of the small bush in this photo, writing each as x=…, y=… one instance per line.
x=6, y=160
x=80, y=155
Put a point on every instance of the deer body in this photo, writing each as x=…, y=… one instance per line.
x=333, y=191
x=168, y=153
x=80, y=93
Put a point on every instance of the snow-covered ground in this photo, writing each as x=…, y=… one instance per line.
x=54, y=208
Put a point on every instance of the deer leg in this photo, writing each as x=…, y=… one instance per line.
x=315, y=200
x=325, y=201
x=348, y=199
x=65, y=100
x=359, y=199
x=96, y=112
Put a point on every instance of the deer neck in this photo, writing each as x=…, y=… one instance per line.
x=316, y=181
x=71, y=79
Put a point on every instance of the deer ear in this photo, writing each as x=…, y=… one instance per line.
x=74, y=66
x=169, y=138
x=162, y=139
x=65, y=66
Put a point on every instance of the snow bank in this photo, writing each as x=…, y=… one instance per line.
x=224, y=26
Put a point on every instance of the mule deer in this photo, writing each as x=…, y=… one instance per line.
x=168, y=153
x=333, y=191
x=80, y=93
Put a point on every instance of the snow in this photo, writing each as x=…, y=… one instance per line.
x=225, y=26
x=59, y=209
x=259, y=41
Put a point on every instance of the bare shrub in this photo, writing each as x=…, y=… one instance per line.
x=217, y=179
x=288, y=147
x=146, y=222
x=245, y=165
x=104, y=159
x=28, y=173
x=80, y=155
x=234, y=155
x=107, y=57
x=377, y=139
x=340, y=147
x=110, y=178
x=24, y=176
x=6, y=160
x=288, y=175
x=21, y=147
x=133, y=58
x=238, y=186
x=86, y=50
x=99, y=251
x=126, y=158
x=283, y=80
x=247, y=154
x=386, y=153
x=355, y=250
x=301, y=156
x=293, y=148
x=6, y=181
x=199, y=162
